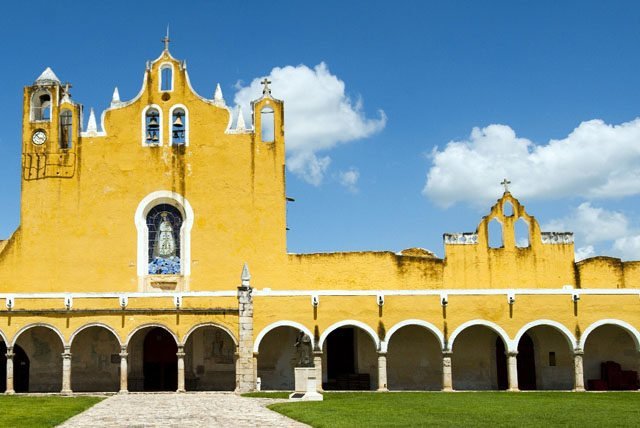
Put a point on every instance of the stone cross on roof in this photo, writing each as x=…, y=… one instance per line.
x=506, y=183
x=166, y=40
x=266, y=90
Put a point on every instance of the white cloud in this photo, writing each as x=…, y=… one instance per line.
x=596, y=160
x=318, y=115
x=591, y=224
x=628, y=247
x=349, y=179
x=585, y=252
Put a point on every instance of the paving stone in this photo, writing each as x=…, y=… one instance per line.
x=193, y=410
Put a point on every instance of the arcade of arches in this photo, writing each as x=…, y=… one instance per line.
x=481, y=357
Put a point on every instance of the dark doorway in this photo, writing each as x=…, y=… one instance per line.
x=526, y=364
x=3, y=367
x=160, y=362
x=501, y=364
x=340, y=353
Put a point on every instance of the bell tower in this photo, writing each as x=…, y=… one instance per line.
x=50, y=129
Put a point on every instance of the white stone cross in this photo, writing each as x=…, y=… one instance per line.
x=266, y=82
x=506, y=183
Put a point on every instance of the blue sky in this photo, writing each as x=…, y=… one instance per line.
x=416, y=77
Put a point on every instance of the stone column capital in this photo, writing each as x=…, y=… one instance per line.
x=317, y=353
x=447, y=353
x=578, y=352
x=512, y=353
x=180, y=354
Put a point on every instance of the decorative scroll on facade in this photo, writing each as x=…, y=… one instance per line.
x=461, y=238
x=557, y=237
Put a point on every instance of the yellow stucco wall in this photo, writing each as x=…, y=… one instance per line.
x=78, y=235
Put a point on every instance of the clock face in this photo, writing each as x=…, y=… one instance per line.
x=39, y=137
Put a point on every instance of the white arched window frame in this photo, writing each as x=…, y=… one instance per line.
x=186, y=123
x=143, y=125
x=162, y=81
x=40, y=111
x=150, y=201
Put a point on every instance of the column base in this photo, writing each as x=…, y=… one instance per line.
x=579, y=390
x=513, y=390
x=123, y=391
x=9, y=392
x=382, y=390
x=181, y=390
x=66, y=392
x=447, y=389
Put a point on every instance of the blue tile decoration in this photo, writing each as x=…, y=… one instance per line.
x=162, y=266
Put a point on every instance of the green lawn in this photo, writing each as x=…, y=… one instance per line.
x=24, y=412
x=462, y=409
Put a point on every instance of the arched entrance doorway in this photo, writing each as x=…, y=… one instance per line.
x=95, y=362
x=20, y=369
x=545, y=359
x=153, y=360
x=611, y=359
x=37, y=364
x=210, y=360
x=479, y=361
x=351, y=360
x=414, y=360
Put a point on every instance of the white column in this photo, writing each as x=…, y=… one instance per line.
x=512, y=370
x=180, y=355
x=447, y=379
x=579, y=369
x=255, y=368
x=124, y=371
x=10, y=355
x=317, y=363
x=66, y=371
x=382, y=371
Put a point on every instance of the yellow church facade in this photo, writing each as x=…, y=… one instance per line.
x=151, y=255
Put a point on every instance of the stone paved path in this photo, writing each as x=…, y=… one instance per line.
x=181, y=410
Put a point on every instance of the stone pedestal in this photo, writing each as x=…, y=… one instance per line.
x=512, y=370
x=447, y=382
x=66, y=371
x=124, y=371
x=9, y=355
x=578, y=369
x=306, y=388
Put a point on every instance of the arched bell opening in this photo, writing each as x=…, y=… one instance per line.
x=611, y=359
x=210, y=360
x=351, y=360
x=38, y=368
x=414, y=360
x=95, y=361
x=153, y=360
x=479, y=360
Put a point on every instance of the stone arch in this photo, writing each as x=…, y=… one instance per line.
x=284, y=323
x=479, y=360
x=39, y=324
x=633, y=332
x=566, y=333
x=3, y=337
x=151, y=325
x=152, y=364
x=93, y=368
x=426, y=325
x=140, y=218
x=349, y=323
x=493, y=326
x=209, y=324
x=42, y=351
x=186, y=124
x=143, y=123
x=95, y=324
x=209, y=350
x=545, y=356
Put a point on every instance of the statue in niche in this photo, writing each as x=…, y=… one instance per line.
x=165, y=241
x=303, y=350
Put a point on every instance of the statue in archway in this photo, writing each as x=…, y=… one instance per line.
x=303, y=350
